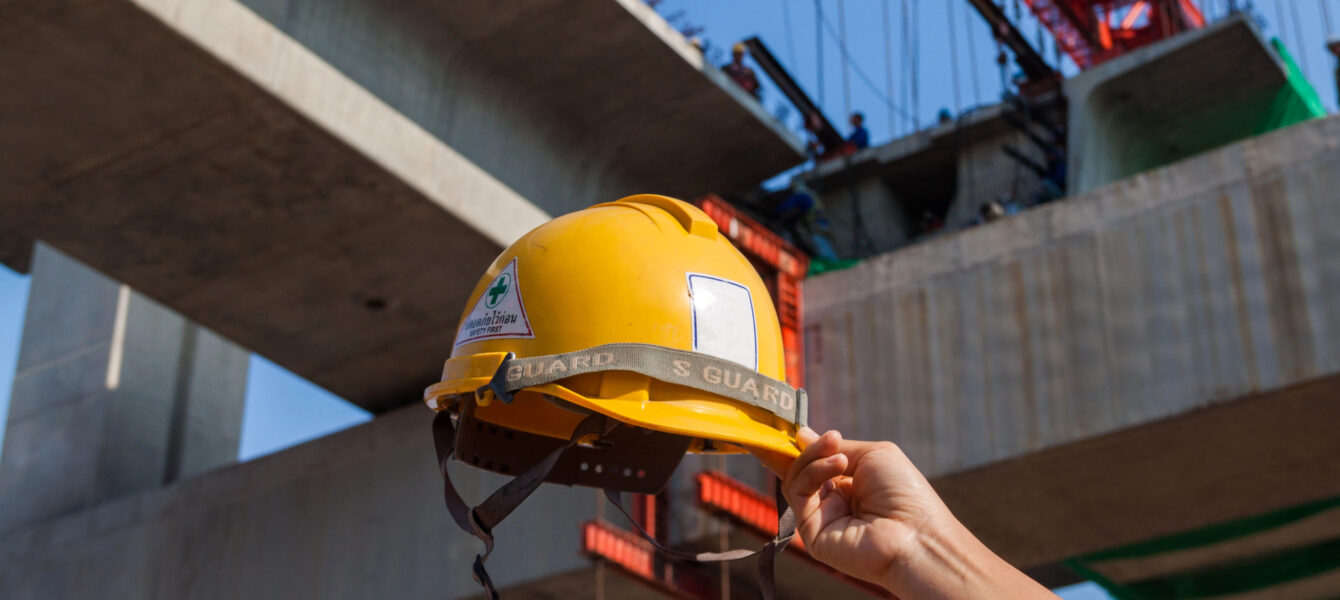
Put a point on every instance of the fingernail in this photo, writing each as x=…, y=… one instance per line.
x=806, y=436
x=834, y=459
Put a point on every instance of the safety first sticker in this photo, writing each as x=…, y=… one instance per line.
x=499, y=311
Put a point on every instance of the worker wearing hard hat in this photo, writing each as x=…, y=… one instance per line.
x=740, y=73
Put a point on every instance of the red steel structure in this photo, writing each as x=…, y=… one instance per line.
x=1094, y=31
x=782, y=266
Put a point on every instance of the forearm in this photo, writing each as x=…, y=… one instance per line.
x=949, y=562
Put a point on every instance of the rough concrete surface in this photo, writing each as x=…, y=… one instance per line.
x=1168, y=293
x=357, y=514
x=1169, y=100
x=113, y=395
x=206, y=158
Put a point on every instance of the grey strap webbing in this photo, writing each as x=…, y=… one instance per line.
x=767, y=583
x=692, y=369
x=480, y=520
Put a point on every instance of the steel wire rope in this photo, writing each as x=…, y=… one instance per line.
x=916, y=59
x=953, y=57
x=1326, y=19
x=861, y=74
x=790, y=34
x=906, y=59
x=819, y=52
x=1298, y=38
x=846, y=60
x=888, y=68
x=1279, y=20
x=972, y=64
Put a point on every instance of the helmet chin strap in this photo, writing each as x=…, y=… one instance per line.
x=786, y=529
x=480, y=520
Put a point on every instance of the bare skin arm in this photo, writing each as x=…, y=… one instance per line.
x=864, y=509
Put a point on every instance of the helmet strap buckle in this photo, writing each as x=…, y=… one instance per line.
x=498, y=384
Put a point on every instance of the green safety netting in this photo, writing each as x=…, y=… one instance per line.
x=1254, y=573
x=1295, y=102
x=819, y=265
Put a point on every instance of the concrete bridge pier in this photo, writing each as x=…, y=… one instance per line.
x=114, y=394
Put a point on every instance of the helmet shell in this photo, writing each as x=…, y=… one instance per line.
x=646, y=269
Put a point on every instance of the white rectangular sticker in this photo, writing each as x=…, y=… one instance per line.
x=723, y=319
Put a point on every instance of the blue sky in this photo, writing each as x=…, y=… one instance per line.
x=283, y=410
x=788, y=28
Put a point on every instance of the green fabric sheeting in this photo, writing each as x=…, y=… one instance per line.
x=1251, y=574
x=1295, y=102
x=819, y=265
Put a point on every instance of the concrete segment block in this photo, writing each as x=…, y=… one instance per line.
x=1078, y=215
x=49, y=464
x=1008, y=236
x=77, y=375
x=1174, y=290
x=79, y=306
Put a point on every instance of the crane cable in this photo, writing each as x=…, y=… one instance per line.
x=972, y=64
x=1298, y=34
x=862, y=75
x=1279, y=19
x=953, y=57
x=1326, y=18
x=819, y=50
x=907, y=62
x=842, y=43
x=790, y=35
x=916, y=58
x=888, y=68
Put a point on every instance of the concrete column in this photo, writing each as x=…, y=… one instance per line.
x=114, y=394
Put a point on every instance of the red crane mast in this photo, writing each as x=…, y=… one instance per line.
x=1094, y=31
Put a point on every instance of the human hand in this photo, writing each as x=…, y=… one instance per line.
x=864, y=509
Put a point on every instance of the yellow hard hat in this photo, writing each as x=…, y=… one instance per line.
x=738, y=48
x=603, y=345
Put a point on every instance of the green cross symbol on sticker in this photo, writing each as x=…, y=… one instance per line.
x=495, y=294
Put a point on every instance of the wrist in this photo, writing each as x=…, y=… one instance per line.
x=945, y=560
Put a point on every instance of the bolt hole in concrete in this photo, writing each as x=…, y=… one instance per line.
x=376, y=304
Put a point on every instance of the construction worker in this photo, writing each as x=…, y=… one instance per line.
x=864, y=509
x=860, y=136
x=740, y=73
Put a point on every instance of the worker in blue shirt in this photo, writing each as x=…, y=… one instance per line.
x=860, y=137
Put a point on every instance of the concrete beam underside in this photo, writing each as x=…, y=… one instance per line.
x=632, y=109
x=1168, y=101
x=197, y=153
x=1151, y=357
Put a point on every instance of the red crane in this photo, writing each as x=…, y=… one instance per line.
x=1093, y=31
